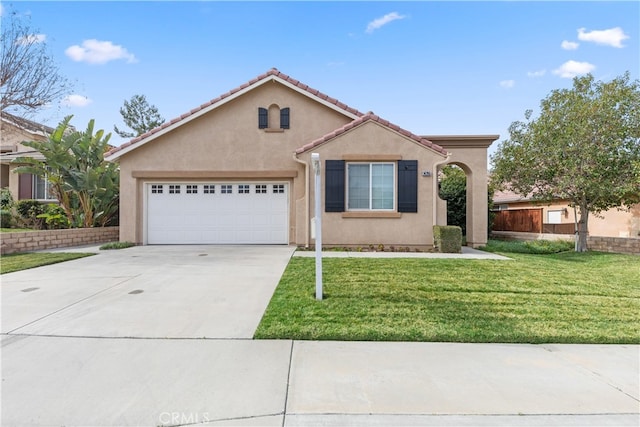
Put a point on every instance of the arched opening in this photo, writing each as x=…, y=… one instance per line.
x=454, y=186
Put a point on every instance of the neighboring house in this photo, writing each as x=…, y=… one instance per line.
x=13, y=131
x=558, y=217
x=238, y=170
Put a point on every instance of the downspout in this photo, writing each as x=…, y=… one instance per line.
x=307, y=203
x=436, y=193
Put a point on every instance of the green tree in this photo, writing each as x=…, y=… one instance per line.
x=140, y=116
x=583, y=147
x=453, y=189
x=86, y=186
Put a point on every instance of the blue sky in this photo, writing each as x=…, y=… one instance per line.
x=430, y=67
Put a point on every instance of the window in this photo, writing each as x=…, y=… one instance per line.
x=192, y=189
x=156, y=189
x=226, y=189
x=209, y=189
x=273, y=112
x=370, y=186
x=243, y=189
x=41, y=188
x=278, y=189
x=261, y=189
x=374, y=191
x=174, y=189
x=554, y=217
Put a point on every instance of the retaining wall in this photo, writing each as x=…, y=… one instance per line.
x=27, y=241
x=623, y=245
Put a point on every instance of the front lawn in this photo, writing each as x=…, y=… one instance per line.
x=16, y=262
x=562, y=298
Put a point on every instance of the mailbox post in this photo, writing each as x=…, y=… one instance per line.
x=315, y=159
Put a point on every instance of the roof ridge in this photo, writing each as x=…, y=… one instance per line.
x=370, y=116
x=271, y=72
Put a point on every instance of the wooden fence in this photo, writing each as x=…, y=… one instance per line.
x=522, y=220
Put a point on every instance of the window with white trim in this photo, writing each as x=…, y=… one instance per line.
x=174, y=189
x=278, y=188
x=192, y=189
x=226, y=189
x=370, y=186
x=209, y=189
x=244, y=189
x=261, y=189
x=42, y=188
x=156, y=189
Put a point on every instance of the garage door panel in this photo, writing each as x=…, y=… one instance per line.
x=217, y=213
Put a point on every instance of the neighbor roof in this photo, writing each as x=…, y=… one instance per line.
x=28, y=125
x=374, y=118
x=272, y=74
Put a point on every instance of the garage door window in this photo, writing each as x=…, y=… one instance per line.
x=209, y=189
x=243, y=189
x=192, y=189
x=156, y=189
x=278, y=189
x=226, y=189
x=174, y=189
x=261, y=189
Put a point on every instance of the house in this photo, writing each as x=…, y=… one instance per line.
x=558, y=217
x=13, y=131
x=237, y=170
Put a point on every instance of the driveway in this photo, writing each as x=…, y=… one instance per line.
x=147, y=292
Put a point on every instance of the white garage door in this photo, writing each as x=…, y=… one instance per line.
x=217, y=213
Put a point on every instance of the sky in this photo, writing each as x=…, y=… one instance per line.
x=433, y=68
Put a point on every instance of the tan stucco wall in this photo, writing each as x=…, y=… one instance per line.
x=364, y=143
x=228, y=139
x=611, y=223
x=10, y=141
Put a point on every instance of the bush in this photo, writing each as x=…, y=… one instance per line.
x=54, y=217
x=6, y=218
x=539, y=247
x=117, y=245
x=6, y=199
x=447, y=239
x=28, y=211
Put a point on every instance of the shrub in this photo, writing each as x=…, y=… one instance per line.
x=28, y=211
x=54, y=217
x=447, y=239
x=6, y=199
x=539, y=247
x=117, y=245
x=6, y=218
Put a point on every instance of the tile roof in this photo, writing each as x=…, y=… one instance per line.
x=371, y=117
x=269, y=74
x=28, y=125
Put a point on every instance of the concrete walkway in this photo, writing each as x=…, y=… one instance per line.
x=83, y=350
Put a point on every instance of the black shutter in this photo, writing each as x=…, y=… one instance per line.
x=334, y=186
x=407, y=186
x=263, y=118
x=284, y=118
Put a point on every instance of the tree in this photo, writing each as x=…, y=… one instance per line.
x=138, y=115
x=85, y=185
x=453, y=189
x=583, y=147
x=29, y=78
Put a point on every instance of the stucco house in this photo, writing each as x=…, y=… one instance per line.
x=14, y=130
x=237, y=170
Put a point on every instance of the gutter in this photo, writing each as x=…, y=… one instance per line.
x=307, y=202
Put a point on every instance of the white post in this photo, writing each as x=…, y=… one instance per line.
x=315, y=159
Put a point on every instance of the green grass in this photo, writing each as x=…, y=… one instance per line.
x=563, y=298
x=116, y=245
x=530, y=247
x=15, y=230
x=17, y=262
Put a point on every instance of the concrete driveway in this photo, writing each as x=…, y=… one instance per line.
x=160, y=336
x=147, y=292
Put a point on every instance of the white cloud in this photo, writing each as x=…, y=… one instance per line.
x=538, y=73
x=571, y=69
x=567, y=45
x=507, y=84
x=98, y=52
x=380, y=22
x=611, y=37
x=32, y=39
x=76, y=101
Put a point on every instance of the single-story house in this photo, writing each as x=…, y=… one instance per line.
x=558, y=217
x=237, y=170
x=13, y=131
